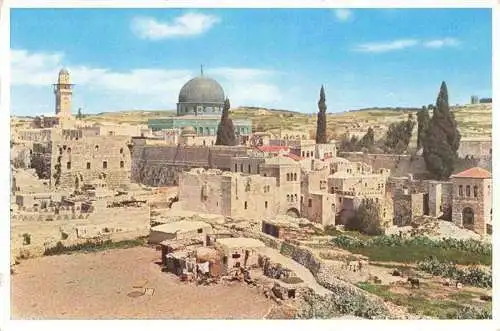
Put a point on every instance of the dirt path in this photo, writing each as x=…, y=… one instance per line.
x=98, y=285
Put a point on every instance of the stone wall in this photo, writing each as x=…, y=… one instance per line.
x=109, y=223
x=401, y=165
x=161, y=165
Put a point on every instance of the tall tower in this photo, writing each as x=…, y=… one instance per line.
x=63, y=91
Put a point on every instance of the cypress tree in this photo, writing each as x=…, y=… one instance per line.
x=443, y=139
x=423, y=120
x=321, y=124
x=225, y=130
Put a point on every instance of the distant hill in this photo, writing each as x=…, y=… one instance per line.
x=473, y=120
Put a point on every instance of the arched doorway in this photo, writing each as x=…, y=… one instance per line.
x=468, y=217
x=293, y=212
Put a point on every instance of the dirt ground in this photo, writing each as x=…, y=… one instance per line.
x=100, y=286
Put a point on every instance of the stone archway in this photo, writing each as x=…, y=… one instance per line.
x=293, y=212
x=468, y=217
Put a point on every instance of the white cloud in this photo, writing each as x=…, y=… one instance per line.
x=386, y=46
x=439, y=43
x=395, y=45
x=343, y=15
x=104, y=89
x=189, y=24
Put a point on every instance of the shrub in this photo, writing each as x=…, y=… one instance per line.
x=470, y=276
x=366, y=220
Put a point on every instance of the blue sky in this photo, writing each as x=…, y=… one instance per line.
x=126, y=59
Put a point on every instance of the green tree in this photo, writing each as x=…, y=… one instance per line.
x=321, y=123
x=368, y=139
x=79, y=114
x=366, y=219
x=398, y=135
x=423, y=120
x=442, y=140
x=225, y=131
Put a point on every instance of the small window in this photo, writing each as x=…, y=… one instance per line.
x=295, y=177
x=236, y=256
x=475, y=191
x=200, y=230
x=265, y=204
x=246, y=205
x=122, y=164
x=68, y=165
x=224, y=260
x=467, y=191
x=88, y=165
x=460, y=190
x=241, y=167
x=249, y=169
x=96, y=148
x=310, y=203
x=235, y=168
x=287, y=177
x=121, y=150
x=105, y=164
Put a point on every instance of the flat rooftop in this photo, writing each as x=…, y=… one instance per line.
x=180, y=226
x=240, y=242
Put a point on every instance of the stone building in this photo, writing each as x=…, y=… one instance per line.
x=465, y=199
x=334, y=188
x=275, y=190
x=70, y=162
x=472, y=200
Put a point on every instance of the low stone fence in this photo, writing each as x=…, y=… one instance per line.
x=345, y=298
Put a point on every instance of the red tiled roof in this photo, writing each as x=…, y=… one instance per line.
x=294, y=157
x=271, y=149
x=475, y=172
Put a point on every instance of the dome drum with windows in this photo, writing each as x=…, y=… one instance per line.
x=201, y=96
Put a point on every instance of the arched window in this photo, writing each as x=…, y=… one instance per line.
x=249, y=169
x=467, y=190
x=295, y=176
x=460, y=190
x=288, y=197
x=475, y=191
x=288, y=177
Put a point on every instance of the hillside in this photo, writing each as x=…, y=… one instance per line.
x=473, y=120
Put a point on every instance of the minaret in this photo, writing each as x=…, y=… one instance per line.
x=63, y=91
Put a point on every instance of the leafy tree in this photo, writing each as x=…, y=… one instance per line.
x=321, y=123
x=399, y=134
x=443, y=139
x=368, y=139
x=79, y=114
x=225, y=131
x=423, y=120
x=367, y=219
